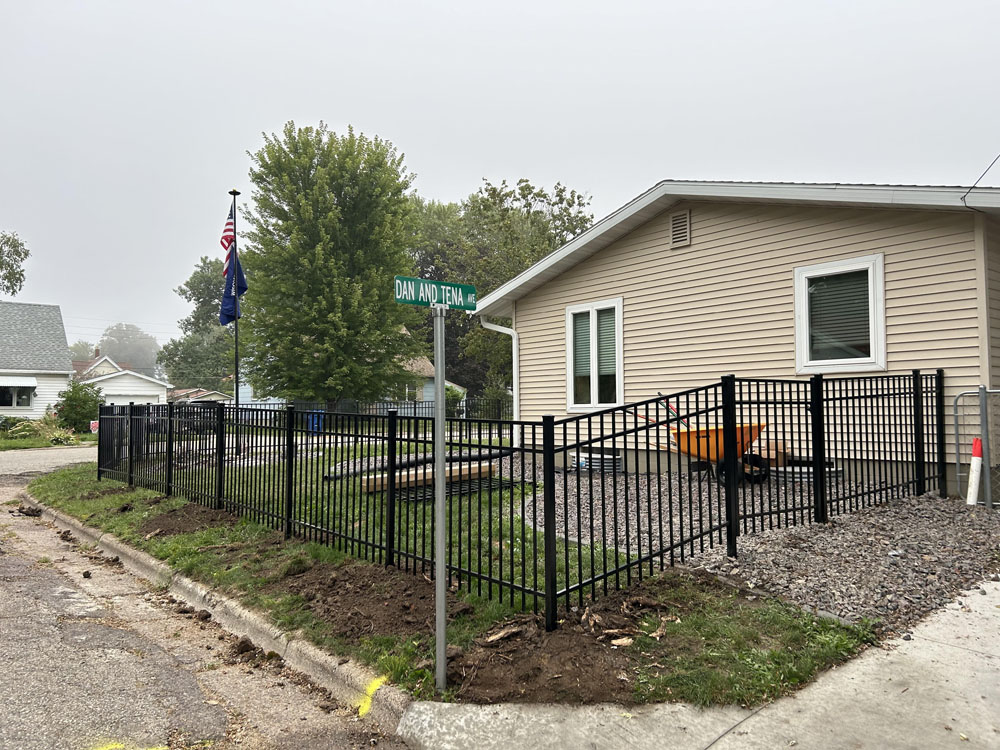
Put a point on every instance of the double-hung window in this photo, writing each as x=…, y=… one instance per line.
x=594, y=355
x=840, y=316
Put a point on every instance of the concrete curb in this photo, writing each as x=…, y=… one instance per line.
x=350, y=683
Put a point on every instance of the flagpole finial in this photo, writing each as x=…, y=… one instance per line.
x=234, y=192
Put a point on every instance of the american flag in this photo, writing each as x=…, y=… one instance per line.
x=232, y=270
x=228, y=239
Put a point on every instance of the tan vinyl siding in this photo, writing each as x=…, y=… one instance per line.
x=725, y=304
x=993, y=298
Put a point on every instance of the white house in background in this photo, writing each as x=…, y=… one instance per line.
x=197, y=395
x=118, y=384
x=34, y=358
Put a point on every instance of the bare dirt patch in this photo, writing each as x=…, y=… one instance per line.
x=586, y=660
x=186, y=519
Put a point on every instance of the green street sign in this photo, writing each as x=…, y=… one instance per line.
x=425, y=292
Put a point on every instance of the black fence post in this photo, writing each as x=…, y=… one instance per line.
x=918, y=432
x=170, y=450
x=549, y=516
x=131, y=447
x=820, y=511
x=101, y=442
x=730, y=462
x=289, y=466
x=390, y=490
x=220, y=452
x=942, y=460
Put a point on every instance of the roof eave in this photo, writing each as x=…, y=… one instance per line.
x=660, y=197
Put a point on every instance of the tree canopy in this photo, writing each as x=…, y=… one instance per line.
x=13, y=253
x=493, y=235
x=82, y=350
x=128, y=344
x=327, y=232
x=203, y=356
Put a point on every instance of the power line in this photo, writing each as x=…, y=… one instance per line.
x=980, y=177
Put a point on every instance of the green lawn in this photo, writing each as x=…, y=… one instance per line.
x=695, y=639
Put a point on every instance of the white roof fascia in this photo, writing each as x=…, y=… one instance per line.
x=37, y=372
x=668, y=192
x=110, y=375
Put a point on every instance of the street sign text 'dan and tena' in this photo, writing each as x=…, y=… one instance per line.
x=425, y=292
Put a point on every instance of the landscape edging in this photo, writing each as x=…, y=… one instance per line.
x=347, y=681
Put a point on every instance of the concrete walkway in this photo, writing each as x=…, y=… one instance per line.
x=32, y=460
x=940, y=689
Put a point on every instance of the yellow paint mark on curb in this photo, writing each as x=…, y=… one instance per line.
x=366, y=703
x=122, y=746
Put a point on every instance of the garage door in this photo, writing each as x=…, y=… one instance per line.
x=115, y=399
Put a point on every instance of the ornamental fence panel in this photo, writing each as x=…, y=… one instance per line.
x=548, y=513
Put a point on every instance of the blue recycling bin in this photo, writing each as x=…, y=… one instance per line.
x=315, y=423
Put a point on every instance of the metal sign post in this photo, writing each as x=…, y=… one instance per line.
x=440, y=610
x=439, y=296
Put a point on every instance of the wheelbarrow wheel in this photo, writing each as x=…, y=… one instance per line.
x=755, y=468
x=750, y=468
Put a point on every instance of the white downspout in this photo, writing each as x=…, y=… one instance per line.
x=515, y=346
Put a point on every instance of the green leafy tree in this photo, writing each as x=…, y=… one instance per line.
x=82, y=350
x=203, y=289
x=327, y=233
x=495, y=234
x=201, y=359
x=203, y=356
x=440, y=251
x=78, y=405
x=13, y=253
x=129, y=344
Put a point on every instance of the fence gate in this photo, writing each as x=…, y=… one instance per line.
x=976, y=414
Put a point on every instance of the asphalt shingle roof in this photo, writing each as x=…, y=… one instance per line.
x=32, y=337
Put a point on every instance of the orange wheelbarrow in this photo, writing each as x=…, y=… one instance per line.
x=705, y=444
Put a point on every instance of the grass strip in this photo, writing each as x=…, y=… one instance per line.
x=689, y=638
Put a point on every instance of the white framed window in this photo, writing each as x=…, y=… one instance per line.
x=594, y=378
x=840, y=316
x=17, y=397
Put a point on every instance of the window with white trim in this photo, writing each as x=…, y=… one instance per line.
x=840, y=316
x=16, y=396
x=594, y=355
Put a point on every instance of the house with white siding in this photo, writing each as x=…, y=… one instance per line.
x=694, y=280
x=34, y=358
x=120, y=385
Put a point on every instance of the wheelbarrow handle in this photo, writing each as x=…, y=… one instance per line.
x=673, y=410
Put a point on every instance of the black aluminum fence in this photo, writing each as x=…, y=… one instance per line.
x=550, y=513
x=470, y=407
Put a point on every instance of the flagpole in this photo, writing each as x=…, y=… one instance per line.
x=236, y=326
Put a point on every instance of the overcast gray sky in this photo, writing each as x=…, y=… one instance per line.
x=124, y=124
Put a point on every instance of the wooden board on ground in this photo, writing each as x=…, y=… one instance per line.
x=456, y=472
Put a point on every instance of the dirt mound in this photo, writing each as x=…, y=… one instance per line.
x=189, y=517
x=360, y=599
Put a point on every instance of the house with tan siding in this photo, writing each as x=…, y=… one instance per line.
x=694, y=280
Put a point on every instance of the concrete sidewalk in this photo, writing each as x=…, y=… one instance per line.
x=940, y=689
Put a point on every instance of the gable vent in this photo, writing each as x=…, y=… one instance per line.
x=680, y=229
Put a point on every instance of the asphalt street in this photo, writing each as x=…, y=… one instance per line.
x=92, y=658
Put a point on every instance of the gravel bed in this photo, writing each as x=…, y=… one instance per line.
x=892, y=563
